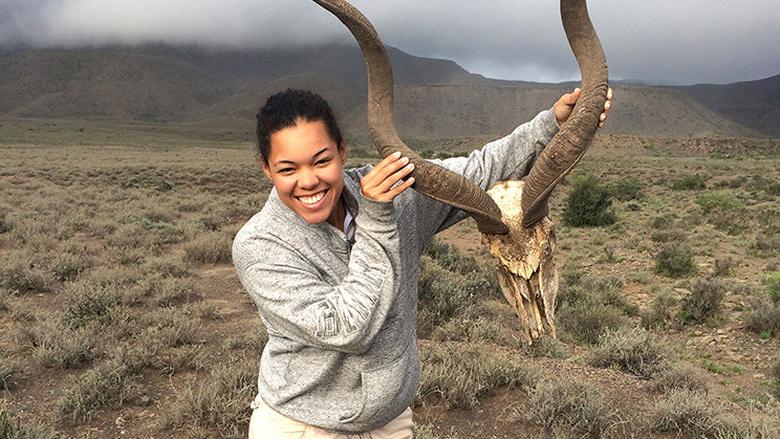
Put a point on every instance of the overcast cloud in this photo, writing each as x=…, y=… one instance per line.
x=672, y=41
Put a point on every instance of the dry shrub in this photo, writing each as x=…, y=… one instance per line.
x=218, y=402
x=571, y=405
x=427, y=432
x=19, y=277
x=8, y=371
x=168, y=266
x=704, y=302
x=763, y=316
x=170, y=327
x=253, y=341
x=54, y=344
x=5, y=300
x=13, y=428
x=675, y=260
x=724, y=266
x=209, y=248
x=681, y=376
x=458, y=374
x=89, y=301
x=444, y=294
x=483, y=322
x=663, y=310
x=690, y=183
x=684, y=411
x=109, y=384
x=634, y=351
x=762, y=421
x=588, y=306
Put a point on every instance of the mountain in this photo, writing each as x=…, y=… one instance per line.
x=753, y=104
x=434, y=98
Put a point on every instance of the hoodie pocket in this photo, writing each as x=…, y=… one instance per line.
x=386, y=388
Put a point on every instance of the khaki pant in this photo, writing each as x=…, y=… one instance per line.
x=269, y=424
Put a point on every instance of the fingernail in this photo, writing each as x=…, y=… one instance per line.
x=397, y=154
x=411, y=178
x=410, y=166
x=405, y=160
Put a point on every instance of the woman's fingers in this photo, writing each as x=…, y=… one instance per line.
x=382, y=182
x=392, y=193
x=391, y=180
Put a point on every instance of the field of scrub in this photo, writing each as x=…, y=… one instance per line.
x=121, y=314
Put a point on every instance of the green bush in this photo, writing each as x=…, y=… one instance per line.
x=773, y=286
x=675, y=260
x=627, y=189
x=588, y=204
x=718, y=202
x=690, y=183
x=634, y=351
x=704, y=302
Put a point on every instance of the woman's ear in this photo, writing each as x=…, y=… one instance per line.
x=265, y=168
x=343, y=152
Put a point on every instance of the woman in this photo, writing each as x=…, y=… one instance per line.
x=332, y=262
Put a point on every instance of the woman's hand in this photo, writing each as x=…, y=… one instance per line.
x=565, y=106
x=380, y=183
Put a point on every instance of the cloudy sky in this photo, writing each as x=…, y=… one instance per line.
x=668, y=41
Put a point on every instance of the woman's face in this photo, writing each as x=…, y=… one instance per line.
x=305, y=166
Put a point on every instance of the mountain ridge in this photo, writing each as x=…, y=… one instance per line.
x=434, y=97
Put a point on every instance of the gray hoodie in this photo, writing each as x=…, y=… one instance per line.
x=341, y=317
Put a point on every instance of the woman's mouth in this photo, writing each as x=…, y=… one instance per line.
x=313, y=201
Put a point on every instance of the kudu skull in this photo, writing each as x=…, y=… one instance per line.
x=512, y=215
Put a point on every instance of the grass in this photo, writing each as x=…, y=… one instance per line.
x=220, y=402
x=54, y=344
x=589, y=306
x=8, y=372
x=681, y=376
x=209, y=248
x=110, y=383
x=13, y=428
x=684, y=411
x=18, y=277
x=633, y=351
x=459, y=374
x=690, y=183
x=122, y=219
x=571, y=405
x=663, y=310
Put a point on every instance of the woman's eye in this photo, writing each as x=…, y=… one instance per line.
x=323, y=161
x=285, y=171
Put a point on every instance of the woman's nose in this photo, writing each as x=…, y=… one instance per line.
x=307, y=179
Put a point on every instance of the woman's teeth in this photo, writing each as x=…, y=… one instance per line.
x=313, y=199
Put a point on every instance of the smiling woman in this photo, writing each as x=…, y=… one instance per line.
x=306, y=166
x=332, y=262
